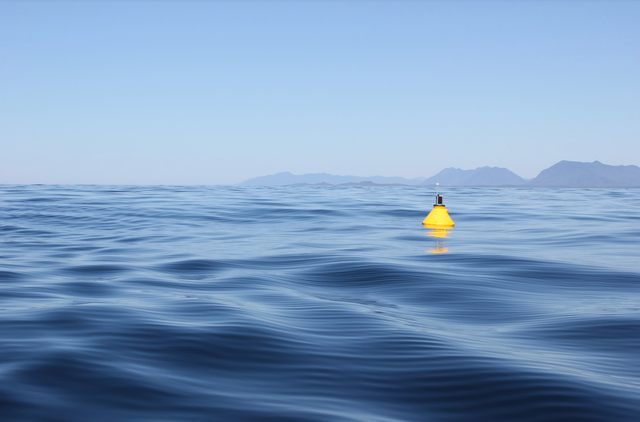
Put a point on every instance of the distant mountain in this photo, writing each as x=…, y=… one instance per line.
x=573, y=174
x=566, y=174
x=286, y=178
x=482, y=176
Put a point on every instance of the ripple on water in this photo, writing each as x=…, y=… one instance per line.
x=316, y=304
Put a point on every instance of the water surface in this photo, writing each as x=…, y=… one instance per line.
x=318, y=304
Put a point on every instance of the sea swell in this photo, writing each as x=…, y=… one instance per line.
x=316, y=304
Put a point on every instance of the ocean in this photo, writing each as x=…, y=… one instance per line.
x=318, y=303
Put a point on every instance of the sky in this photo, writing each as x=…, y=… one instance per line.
x=216, y=92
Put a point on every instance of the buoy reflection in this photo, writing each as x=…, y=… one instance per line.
x=440, y=246
x=439, y=249
x=438, y=233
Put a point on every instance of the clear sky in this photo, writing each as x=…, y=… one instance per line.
x=215, y=92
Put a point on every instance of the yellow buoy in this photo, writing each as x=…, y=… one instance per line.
x=438, y=218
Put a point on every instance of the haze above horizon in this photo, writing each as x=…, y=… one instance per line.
x=220, y=92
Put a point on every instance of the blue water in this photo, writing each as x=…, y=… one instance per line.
x=318, y=304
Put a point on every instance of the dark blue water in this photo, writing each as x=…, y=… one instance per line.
x=318, y=304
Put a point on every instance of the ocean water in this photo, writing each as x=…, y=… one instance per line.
x=125, y=303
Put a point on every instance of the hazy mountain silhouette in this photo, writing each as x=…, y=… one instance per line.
x=286, y=178
x=565, y=174
x=482, y=176
x=573, y=174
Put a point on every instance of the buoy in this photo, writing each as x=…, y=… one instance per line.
x=438, y=218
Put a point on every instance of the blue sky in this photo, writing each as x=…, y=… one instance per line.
x=217, y=92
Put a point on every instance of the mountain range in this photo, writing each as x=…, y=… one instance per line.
x=482, y=176
x=573, y=174
x=570, y=174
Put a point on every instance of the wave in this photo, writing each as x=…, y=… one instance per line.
x=312, y=304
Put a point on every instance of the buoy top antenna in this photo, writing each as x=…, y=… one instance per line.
x=438, y=197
